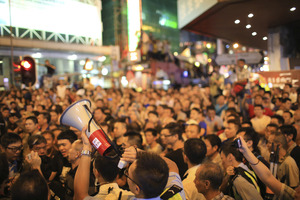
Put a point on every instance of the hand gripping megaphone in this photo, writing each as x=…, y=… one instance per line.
x=79, y=115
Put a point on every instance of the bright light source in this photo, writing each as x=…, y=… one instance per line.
x=175, y=54
x=209, y=60
x=208, y=45
x=26, y=64
x=82, y=62
x=185, y=74
x=1, y=61
x=133, y=23
x=230, y=52
x=137, y=68
x=235, y=45
x=166, y=82
x=265, y=38
x=237, y=21
x=102, y=58
x=104, y=71
x=36, y=55
x=197, y=64
x=266, y=58
x=72, y=57
x=250, y=15
x=292, y=9
x=124, y=81
x=248, y=26
x=88, y=65
x=254, y=33
x=227, y=46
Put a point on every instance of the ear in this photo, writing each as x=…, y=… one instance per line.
x=249, y=143
x=215, y=148
x=207, y=184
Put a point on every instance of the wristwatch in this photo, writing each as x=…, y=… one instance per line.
x=86, y=153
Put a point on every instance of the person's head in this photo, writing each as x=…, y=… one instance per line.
x=209, y=177
x=37, y=143
x=287, y=103
x=288, y=117
x=106, y=168
x=278, y=139
x=133, y=138
x=213, y=144
x=5, y=112
x=11, y=144
x=231, y=128
x=258, y=99
x=287, y=87
x=148, y=175
x=120, y=128
x=251, y=137
x=277, y=119
x=31, y=185
x=168, y=112
x=258, y=110
x=75, y=151
x=246, y=124
x=271, y=128
x=196, y=114
x=29, y=107
x=54, y=116
x=221, y=100
x=44, y=118
x=31, y=124
x=230, y=156
x=192, y=130
x=99, y=114
x=50, y=138
x=171, y=133
x=153, y=117
x=241, y=63
x=151, y=135
x=194, y=151
x=211, y=112
x=290, y=132
x=65, y=140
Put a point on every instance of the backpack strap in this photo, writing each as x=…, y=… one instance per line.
x=172, y=192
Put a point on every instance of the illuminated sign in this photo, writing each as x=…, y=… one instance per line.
x=134, y=23
x=73, y=17
x=134, y=56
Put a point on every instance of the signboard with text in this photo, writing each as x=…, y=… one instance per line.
x=279, y=78
x=231, y=59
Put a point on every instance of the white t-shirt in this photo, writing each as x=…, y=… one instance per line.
x=260, y=124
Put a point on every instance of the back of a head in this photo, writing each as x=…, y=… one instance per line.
x=67, y=135
x=30, y=186
x=195, y=150
x=134, y=139
x=250, y=134
x=107, y=167
x=214, y=140
x=280, y=138
x=213, y=173
x=151, y=174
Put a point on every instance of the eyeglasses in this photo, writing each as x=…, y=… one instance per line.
x=15, y=149
x=127, y=176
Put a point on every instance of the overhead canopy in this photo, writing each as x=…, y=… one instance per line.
x=218, y=20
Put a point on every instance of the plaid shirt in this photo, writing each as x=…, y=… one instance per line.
x=221, y=196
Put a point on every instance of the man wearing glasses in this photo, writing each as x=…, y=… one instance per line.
x=10, y=158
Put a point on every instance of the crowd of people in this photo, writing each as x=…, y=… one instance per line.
x=181, y=144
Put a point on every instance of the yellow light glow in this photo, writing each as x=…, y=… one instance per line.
x=209, y=60
x=175, y=54
x=197, y=64
x=133, y=56
x=208, y=45
x=236, y=45
x=137, y=68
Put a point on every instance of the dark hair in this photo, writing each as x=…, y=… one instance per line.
x=280, y=138
x=134, y=138
x=247, y=122
x=259, y=105
x=210, y=108
x=67, y=135
x=107, y=167
x=235, y=122
x=243, y=60
x=251, y=134
x=279, y=118
x=153, y=112
x=174, y=129
x=170, y=108
x=152, y=130
x=10, y=138
x=30, y=185
x=151, y=174
x=273, y=125
x=197, y=110
x=32, y=118
x=289, y=84
x=289, y=130
x=285, y=100
x=47, y=116
x=213, y=173
x=36, y=140
x=195, y=150
x=228, y=148
x=214, y=140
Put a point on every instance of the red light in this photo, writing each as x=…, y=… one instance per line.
x=26, y=64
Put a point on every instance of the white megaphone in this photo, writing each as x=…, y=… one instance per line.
x=79, y=115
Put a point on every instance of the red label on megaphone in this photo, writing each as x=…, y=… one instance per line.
x=98, y=140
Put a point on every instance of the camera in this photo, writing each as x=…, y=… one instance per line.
x=237, y=143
